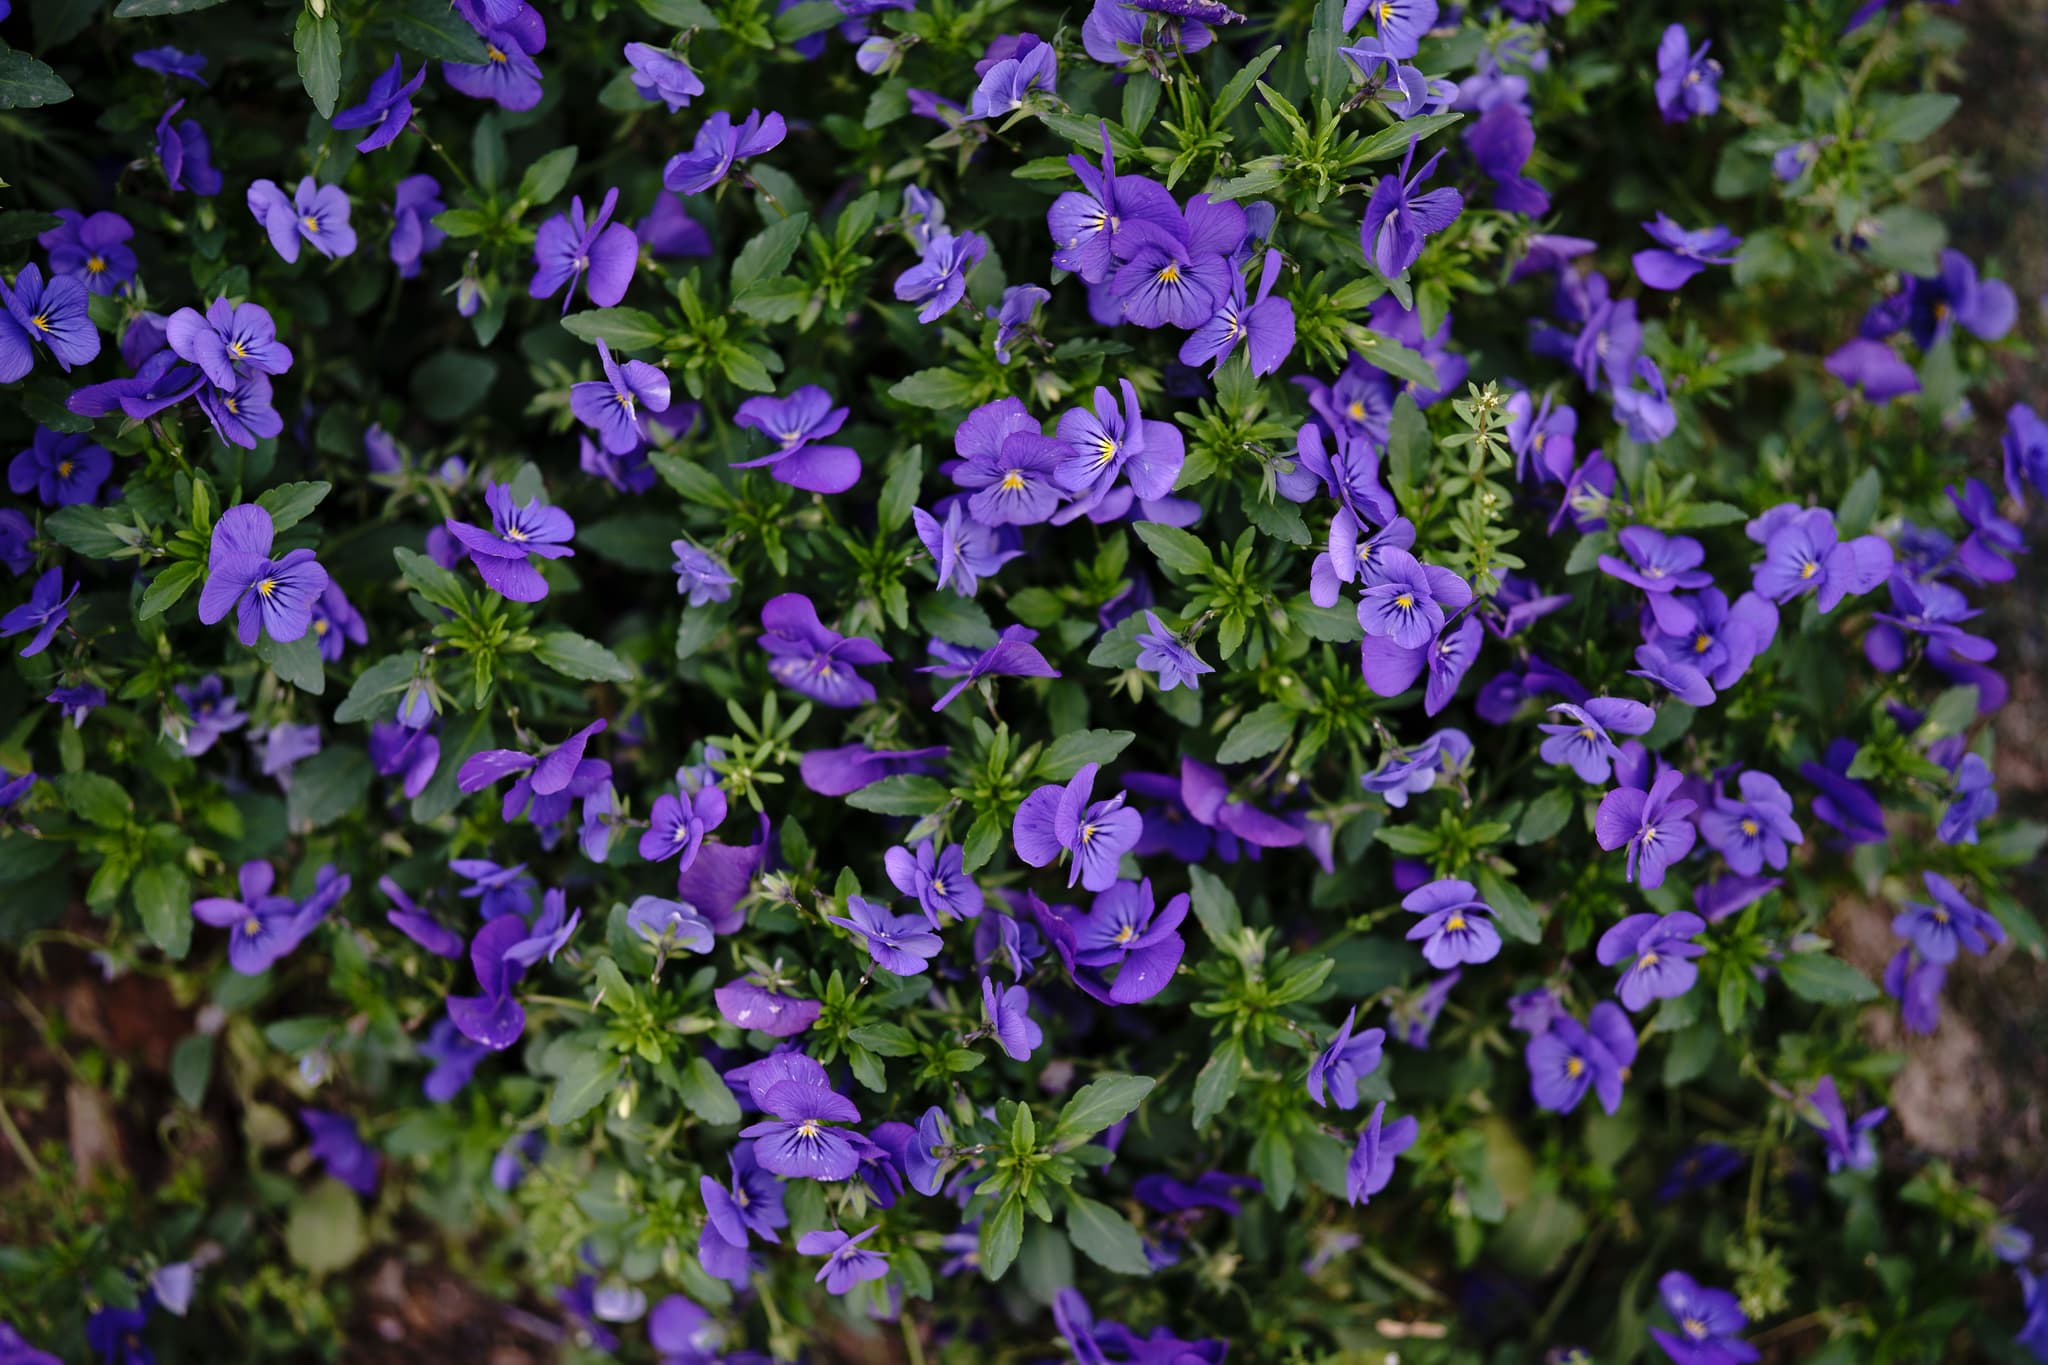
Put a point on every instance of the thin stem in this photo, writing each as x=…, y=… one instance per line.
x=18, y=1142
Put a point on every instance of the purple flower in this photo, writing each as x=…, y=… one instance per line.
x=1398, y=219
x=1724, y=639
x=1456, y=926
x=614, y=407
x=1087, y=224
x=317, y=214
x=1983, y=553
x=229, y=341
x=668, y=230
x=78, y=702
x=1385, y=79
x=663, y=76
x=64, y=469
x=678, y=824
x=1849, y=1144
x=939, y=280
x=1949, y=926
x=1264, y=327
x=938, y=880
x=494, y=1017
x=1402, y=774
x=264, y=927
x=1688, y=80
x=385, y=112
x=1163, y=653
x=700, y=575
x=1709, y=1322
x=1020, y=302
x=1916, y=984
x=809, y=658
x=1029, y=67
x=838, y=772
x=1845, y=803
x=903, y=944
x=748, y=1004
x=508, y=76
x=211, y=711
x=795, y=424
x=1659, y=953
x=669, y=926
x=847, y=1262
x=796, y=1142
x=719, y=147
x=1115, y=34
x=416, y=925
x=502, y=553
x=963, y=552
x=1956, y=297
x=1054, y=819
x=17, y=536
x=1682, y=253
x=1334, y=1075
x=94, y=248
x=2025, y=449
x=342, y=1150
x=282, y=746
x=1570, y=1058
x=1651, y=824
x=1660, y=565
x=1752, y=829
x=570, y=247
x=1873, y=369
x=54, y=316
x=1110, y=441
x=1406, y=604
x=270, y=596
x=185, y=154
x=1802, y=554
x=1372, y=1161
x=1646, y=413
x=242, y=414
x=1587, y=743
x=1974, y=800
x=1122, y=931
x=550, y=774
x=170, y=63
x=1009, y=1019
x=1501, y=143
x=455, y=1061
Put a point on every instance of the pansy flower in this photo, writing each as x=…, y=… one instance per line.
x=1172, y=660
x=700, y=576
x=172, y=64
x=228, y=341
x=808, y=657
x=273, y=597
x=1065, y=819
x=903, y=944
x=1177, y=272
x=963, y=551
x=937, y=879
x=63, y=469
x=242, y=413
x=1974, y=800
x=1120, y=35
x=616, y=407
x=1682, y=253
x=662, y=76
x=1985, y=553
x=544, y=774
x=1570, y=1058
x=1009, y=466
x=263, y=927
x=1658, y=950
x=493, y=1017
x=1803, y=553
x=1844, y=803
x=1456, y=926
x=939, y=280
x=53, y=316
x=386, y=110
x=1849, y=1144
x=1264, y=326
x=1401, y=24
x=1371, y=1166
x=1586, y=741
x=1028, y=65
x=847, y=1262
x=1086, y=224
x=1109, y=441
x=1751, y=829
x=1501, y=142
x=185, y=154
x=1652, y=825
x=1949, y=926
x=76, y=703
x=1401, y=216
x=596, y=251
x=1334, y=1075
x=1407, y=602
x=503, y=553
x=677, y=824
x=1710, y=1323
x=1008, y=1012
x=1661, y=565
x=797, y=426
x=1688, y=80
x=1916, y=984
x=314, y=213
x=508, y=76
x=94, y=248
x=720, y=146
x=210, y=711
x=797, y=1141
x=1122, y=931
x=749, y=1004
x=340, y=1148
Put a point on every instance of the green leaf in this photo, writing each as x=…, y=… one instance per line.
x=1259, y=733
x=1216, y=1082
x=1407, y=839
x=590, y=1076
x=1384, y=353
x=1103, y=1235
x=1336, y=625
x=955, y=619
x=938, y=389
x=95, y=798
x=163, y=901
x=1908, y=118
x=327, y=786
x=23, y=225
x=1214, y=906
x=1099, y=1104
x=168, y=587
x=1544, y=817
x=899, y=490
x=192, y=1068
x=1001, y=1235
x=1065, y=756
x=438, y=585
x=325, y=1231
x=1701, y=514
x=548, y=176
x=1952, y=713
x=26, y=83
x=802, y=20
x=1859, y=504
x=680, y=13
x=297, y=661
x=768, y=252
x=149, y=9
x=885, y=1039
x=578, y=656
x=318, y=43
x=1825, y=979
x=432, y=29
x=1325, y=66
x=1513, y=910
x=291, y=503
x=706, y=1094
x=622, y=329
x=452, y=384
x=1240, y=85
x=442, y=795
x=1408, y=443
x=901, y=794
x=1906, y=239
x=1175, y=548
x=96, y=532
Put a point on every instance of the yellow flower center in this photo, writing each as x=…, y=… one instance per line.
x=41, y=322
x=513, y=533
x=236, y=350
x=1749, y=827
x=1125, y=934
x=1648, y=959
x=1169, y=273
x=95, y=265
x=1586, y=733
x=64, y=468
x=1356, y=411
x=1702, y=643
x=267, y=587
x=1940, y=915
x=320, y=626
x=1013, y=481
x=496, y=53
x=1455, y=922
x=1406, y=601
x=311, y=222
x=807, y=1129
x=1574, y=1067
x=1808, y=569
x=252, y=926
x=232, y=404
x=1087, y=833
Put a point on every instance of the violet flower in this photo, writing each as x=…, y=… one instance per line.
x=809, y=658
x=314, y=213
x=1802, y=554
x=1264, y=326
x=1587, y=743
x=47, y=609
x=1570, y=1058
x=1008, y=1012
x=340, y=1148
x=1371, y=1166
x=53, y=316
x=1055, y=819
x=796, y=1141
x=939, y=280
x=185, y=155
x=1086, y=224
x=1872, y=369
x=270, y=596
x=963, y=552
x=937, y=878
x=1651, y=824
x=386, y=110
x=614, y=407
x=796, y=425
x=663, y=76
x=847, y=1262
x=720, y=147
x=1660, y=565
x=747, y=1003
x=1399, y=219
x=596, y=251
x=1709, y=1324
x=1949, y=926
x=1163, y=653
x=1456, y=926
x=1659, y=952
x=1753, y=829
x=903, y=944
x=94, y=248
x=502, y=554
x=1334, y=1075
x=1844, y=803
x=1688, y=80
x=1110, y=441
x=1849, y=1144
x=1030, y=67
x=263, y=927
x=1682, y=253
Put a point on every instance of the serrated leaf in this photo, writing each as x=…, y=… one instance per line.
x=318, y=44
x=291, y=503
x=1099, y=1104
x=1257, y=734
x=1103, y=1235
x=578, y=656
x=768, y=252
x=1825, y=979
x=26, y=83
x=622, y=329
x=297, y=662
x=167, y=587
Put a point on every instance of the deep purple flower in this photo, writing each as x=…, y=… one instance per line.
x=170, y=63
x=1030, y=66
x=939, y=280
x=1651, y=824
x=669, y=926
x=1983, y=555
x=263, y=927
x=838, y=772
x=1955, y=297
x=963, y=552
x=1709, y=1322
x=1803, y=554
x=719, y=147
x=281, y=747
x=1405, y=773
x=797, y=1142
x=78, y=702
x=185, y=154
x=1682, y=253
x=508, y=76
x=502, y=553
x=1109, y=441
x=1688, y=80
x=1570, y=1058
x=1949, y=926
x=270, y=596
x=677, y=824
x=1645, y=413
x=494, y=1017
x=1019, y=304
x=342, y=1150
x=796, y=425
x=1087, y=224
x=1501, y=143
x=1658, y=950
x=1122, y=931
x=230, y=340
x=662, y=76
x=1264, y=326
x=64, y=469
x=1844, y=802
x=668, y=231
x=314, y=213
x=1874, y=369
x=1974, y=800
x=94, y=248
x=1115, y=34
x=211, y=711
x=1008, y=1012
x=903, y=944
x=1456, y=926
x=54, y=316
x=549, y=774
x=1371, y=1165
x=2025, y=449
x=603, y=254
x=1054, y=819
x=1916, y=984
x=15, y=1351
x=17, y=536
x=1178, y=271
x=746, y=1003
x=1849, y=1144
x=1407, y=603
x=416, y=925
x=386, y=110
x=809, y=658
x=1754, y=828
x=615, y=407
x=1724, y=640
x=455, y=1061
x=336, y=623
x=1403, y=90
x=943, y=889
x=1334, y=1075
x=1700, y=1167
x=1587, y=743
x=847, y=1262
x=1398, y=219
x=1088, y=1339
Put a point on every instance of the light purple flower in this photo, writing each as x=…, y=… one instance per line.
x=1682, y=253
x=809, y=658
x=903, y=944
x=314, y=213
x=1803, y=553
x=796, y=426
x=719, y=148
x=1658, y=950
x=1008, y=1012
x=502, y=554
x=595, y=250
x=1651, y=824
x=1688, y=80
x=1456, y=927
x=1055, y=819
